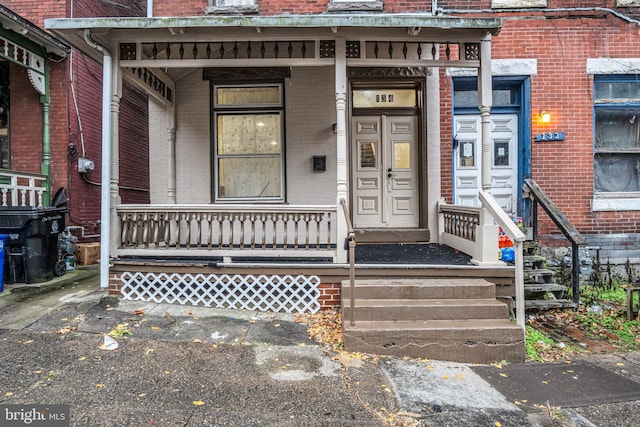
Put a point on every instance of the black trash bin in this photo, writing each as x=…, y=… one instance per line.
x=31, y=250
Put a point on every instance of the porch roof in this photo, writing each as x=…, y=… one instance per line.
x=130, y=28
x=30, y=31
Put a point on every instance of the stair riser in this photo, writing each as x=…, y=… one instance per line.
x=445, y=312
x=421, y=292
x=457, y=346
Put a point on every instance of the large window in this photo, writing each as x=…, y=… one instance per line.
x=617, y=136
x=248, y=135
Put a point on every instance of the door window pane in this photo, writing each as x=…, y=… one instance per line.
x=466, y=155
x=501, y=153
x=368, y=154
x=402, y=155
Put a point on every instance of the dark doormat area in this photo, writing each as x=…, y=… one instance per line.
x=409, y=253
x=565, y=385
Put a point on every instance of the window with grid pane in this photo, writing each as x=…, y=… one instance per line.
x=248, y=123
x=617, y=135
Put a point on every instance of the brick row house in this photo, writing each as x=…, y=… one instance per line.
x=283, y=134
x=50, y=134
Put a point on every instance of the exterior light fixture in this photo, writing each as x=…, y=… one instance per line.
x=545, y=116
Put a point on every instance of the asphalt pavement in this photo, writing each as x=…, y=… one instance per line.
x=129, y=363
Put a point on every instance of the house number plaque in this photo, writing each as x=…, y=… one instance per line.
x=550, y=136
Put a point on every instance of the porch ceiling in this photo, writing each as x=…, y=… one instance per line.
x=414, y=26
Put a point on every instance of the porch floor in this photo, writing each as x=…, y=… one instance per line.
x=410, y=253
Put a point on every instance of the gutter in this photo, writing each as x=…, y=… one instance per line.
x=14, y=22
x=105, y=212
x=551, y=10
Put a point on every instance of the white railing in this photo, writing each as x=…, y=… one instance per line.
x=474, y=231
x=229, y=230
x=21, y=188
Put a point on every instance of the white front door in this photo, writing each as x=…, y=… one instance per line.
x=385, y=171
x=467, y=174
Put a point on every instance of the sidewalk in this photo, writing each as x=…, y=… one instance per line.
x=194, y=366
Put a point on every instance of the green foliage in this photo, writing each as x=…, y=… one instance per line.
x=536, y=343
x=613, y=324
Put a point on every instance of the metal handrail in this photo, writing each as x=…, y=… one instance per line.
x=351, y=236
x=570, y=232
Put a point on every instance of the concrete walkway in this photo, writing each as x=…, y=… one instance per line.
x=192, y=366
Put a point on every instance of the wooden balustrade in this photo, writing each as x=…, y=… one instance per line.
x=206, y=228
x=21, y=188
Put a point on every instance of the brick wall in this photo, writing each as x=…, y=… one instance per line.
x=563, y=169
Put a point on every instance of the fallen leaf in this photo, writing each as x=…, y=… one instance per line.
x=142, y=394
x=8, y=394
x=545, y=382
x=619, y=364
x=502, y=374
x=190, y=313
x=99, y=385
x=497, y=424
x=198, y=402
x=139, y=311
x=82, y=358
x=155, y=328
x=110, y=309
x=37, y=372
x=197, y=341
x=63, y=331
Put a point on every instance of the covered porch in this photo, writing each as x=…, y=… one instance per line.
x=352, y=157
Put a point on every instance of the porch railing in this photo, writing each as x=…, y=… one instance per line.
x=474, y=231
x=231, y=230
x=21, y=188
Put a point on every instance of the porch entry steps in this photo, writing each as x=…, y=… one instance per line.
x=454, y=319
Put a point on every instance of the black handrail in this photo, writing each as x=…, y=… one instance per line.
x=539, y=197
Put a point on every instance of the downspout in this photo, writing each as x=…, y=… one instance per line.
x=105, y=223
x=149, y=8
x=45, y=168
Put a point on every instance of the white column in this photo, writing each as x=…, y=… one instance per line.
x=114, y=179
x=434, y=170
x=342, y=174
x=484, y=103
x=105, y=217
x=171, y=175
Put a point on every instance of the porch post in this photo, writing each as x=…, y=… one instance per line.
x=114, y=181
x=105, y=211
x=45, y=168
x=342, y=190
x=484, y=103
x=171, y=176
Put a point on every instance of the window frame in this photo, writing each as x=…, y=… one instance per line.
x=613, y=200
x=218, y=110
x=214, y=8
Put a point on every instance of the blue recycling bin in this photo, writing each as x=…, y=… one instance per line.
x=3, y=241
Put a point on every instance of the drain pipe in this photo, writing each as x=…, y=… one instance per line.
x=105, y=217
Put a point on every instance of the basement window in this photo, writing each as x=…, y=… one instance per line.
x=234, y=7
x=616, y=162
x=350, y=5
x=511, y=4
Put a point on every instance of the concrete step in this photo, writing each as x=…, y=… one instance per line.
x=425, y=309
x=543, y=287
x=543, y=304
x=436, y=288
x=468, y=341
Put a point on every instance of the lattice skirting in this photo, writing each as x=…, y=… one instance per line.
x=285, y=294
